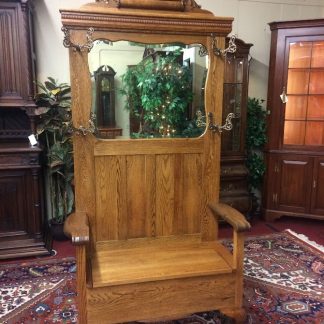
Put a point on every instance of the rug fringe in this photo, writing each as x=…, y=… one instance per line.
x=304, y=238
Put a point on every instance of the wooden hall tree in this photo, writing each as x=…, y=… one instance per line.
x=147, y=208
x=295, y=151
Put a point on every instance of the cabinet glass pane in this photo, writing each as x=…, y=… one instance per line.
x=296, y=108
x=300, y=55
x=297, y=82
x=294, y=132
x=318, y=55
x=239, y=70
x=316, y=82
x=315, y=107
x=233, y=70
x=314, y=133
x=232, y=102
x=230, y=68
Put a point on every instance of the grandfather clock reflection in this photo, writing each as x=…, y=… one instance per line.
x=105, y=102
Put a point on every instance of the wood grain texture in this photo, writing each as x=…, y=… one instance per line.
x=153, y=262
x=171, y=297
x=153, y=251
x=231, y=216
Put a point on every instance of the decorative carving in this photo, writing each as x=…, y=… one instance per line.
x=78, y=47
x=111, y=3
x=190, y=5
x=177, y=5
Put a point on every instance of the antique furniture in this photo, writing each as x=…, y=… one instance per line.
x=295, y=151
x=21, y=195
x=146, y=219
x=233, y=186
x=105, y=102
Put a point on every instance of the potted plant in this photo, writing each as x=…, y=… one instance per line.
x=256, y=138
x=158, y=93
x=54, y=134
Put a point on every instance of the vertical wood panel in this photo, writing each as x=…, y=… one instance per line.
x=111, y=198
x=136, y=196
x=179, y=220
x=164, y=194
x=150, y=185
x=192, y=196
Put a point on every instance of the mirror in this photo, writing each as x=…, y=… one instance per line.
x=147, y=90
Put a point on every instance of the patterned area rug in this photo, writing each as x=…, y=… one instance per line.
x=283, y=284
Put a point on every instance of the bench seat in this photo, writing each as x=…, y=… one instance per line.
x=144, y=260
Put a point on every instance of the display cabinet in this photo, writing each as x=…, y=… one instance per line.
x=295, y=151
x=21, y=185
x=234, y=187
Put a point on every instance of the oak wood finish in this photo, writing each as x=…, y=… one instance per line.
x=293, y=183
x=152, y=250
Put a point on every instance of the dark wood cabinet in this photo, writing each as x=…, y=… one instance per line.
x=21, y=184
x=295, y=152
x=233, y=186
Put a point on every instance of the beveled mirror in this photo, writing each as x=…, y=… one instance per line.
x=157, y=91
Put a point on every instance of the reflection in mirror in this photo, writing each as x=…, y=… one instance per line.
x=147, y=91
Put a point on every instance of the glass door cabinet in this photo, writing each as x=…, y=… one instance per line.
x=295, y=153
x=233, y=186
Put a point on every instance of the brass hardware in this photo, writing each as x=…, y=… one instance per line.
x=78, y=47
x=203, y=51
x=219, y=128
x=223, y=52
x=283, y=96
x=314, y=184
x=218, y=51
x=82, y=130
x=201, y=122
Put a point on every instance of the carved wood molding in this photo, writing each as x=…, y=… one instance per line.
x=166, y=25
x=175, y=5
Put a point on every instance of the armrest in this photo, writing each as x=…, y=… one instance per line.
x=76, y=227
x=231, y=216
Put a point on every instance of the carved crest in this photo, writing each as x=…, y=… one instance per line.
x=176, y=5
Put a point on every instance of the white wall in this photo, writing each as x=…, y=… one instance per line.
x=250, y=24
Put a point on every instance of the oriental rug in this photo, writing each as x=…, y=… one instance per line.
x=283, y=284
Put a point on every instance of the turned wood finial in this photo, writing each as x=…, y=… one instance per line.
x=175, y=5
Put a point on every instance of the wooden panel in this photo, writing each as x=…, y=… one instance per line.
x=165, y=187
x=136, y=196
x=294, y=174
x=317, y=206
x=149, y=146
x=192, y=193
x=172, y=298
x=111, y=217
